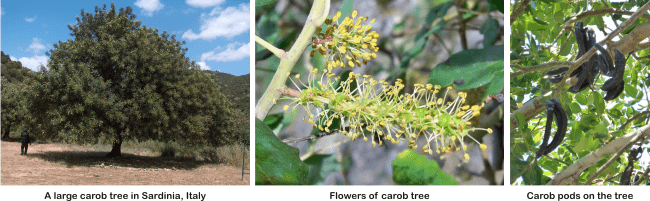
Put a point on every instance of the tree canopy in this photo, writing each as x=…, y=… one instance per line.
x=118, y=80
x=13, y=93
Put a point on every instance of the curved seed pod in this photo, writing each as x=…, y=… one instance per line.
x=581, y=38
x=586, y=73
x=605, y=60
x=556, y=79
x=557, y=71
x=586, y=78
x=547, y=132
x=561, y=121
x=618, y=74
x=612, y=94
x=556, y=74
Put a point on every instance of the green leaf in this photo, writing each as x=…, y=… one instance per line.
x=410, y=168
x=438, y=11
x=264, y=2
x=521, y=121
x=474, y=74
x=599, y=102
x=274, y=120
x=535, y=176
x=575, y=107
x=630, y=90
x=320, y=166
x=497, y=4
x=490, y=30
x=580, y=98
x=275, y=162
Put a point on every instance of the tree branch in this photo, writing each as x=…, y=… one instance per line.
x=636, y=116
x=311, y=137
x=645, y=175
x=592, y=158
x=544, y=66
x=609, y=162
x=276, y=51
x=272, y=92
x=519, y=10
x=528, y=168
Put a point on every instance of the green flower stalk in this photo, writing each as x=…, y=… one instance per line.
x=347, y=44
x=376, y=107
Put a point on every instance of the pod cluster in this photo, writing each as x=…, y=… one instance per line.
x=599, y=62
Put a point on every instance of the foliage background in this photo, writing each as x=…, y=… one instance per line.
x=408, y=50
x=542, y=33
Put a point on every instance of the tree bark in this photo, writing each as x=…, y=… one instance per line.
x=117, y=147
x=6, y=131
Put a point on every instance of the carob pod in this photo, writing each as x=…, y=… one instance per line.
x=635, y=155
x=614, y=86
x=605, y=63
x=561, y=121
x=586, y=72
x=612, y=94
x=617, y=78
x=556, y=74
x=553, y=108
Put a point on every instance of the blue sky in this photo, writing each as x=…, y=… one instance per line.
x=216, y=32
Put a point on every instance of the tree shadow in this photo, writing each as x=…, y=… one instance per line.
x=17, y=139
x=10, y=139
x=97, y=158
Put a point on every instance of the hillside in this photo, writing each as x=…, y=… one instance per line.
x=236, y=87
x=14, y=71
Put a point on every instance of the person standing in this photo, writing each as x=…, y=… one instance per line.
x=24, y=141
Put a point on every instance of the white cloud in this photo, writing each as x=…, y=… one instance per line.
x=33, y=62
x=149, y=6
x=203, y=65
x=36, y=46
x=13, y=58
x=204, y=3
x=222, y=23
x=31, y=19
x=233, y=52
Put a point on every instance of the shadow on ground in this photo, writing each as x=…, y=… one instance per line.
x=96, y=158
x=17, y=139
x=10, y=139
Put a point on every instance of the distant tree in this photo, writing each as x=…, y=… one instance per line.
x=13, y=105
x=118, y=80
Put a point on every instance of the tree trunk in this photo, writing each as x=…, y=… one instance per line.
x=6, y=132
x=117, y=147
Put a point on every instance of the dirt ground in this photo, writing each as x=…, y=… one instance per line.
x=56, y=164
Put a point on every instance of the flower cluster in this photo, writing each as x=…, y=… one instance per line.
x=372, y=107
x=348, y=43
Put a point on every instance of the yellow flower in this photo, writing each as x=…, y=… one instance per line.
x=348, y=42
x=363, y=105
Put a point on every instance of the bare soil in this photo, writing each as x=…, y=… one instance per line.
x=60, y=164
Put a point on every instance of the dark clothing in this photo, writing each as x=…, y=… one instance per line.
x=24, y=137
x=24, y=141
x=23, y=148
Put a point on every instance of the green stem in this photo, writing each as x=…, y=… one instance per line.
x=276, y=51
x=319, y=8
